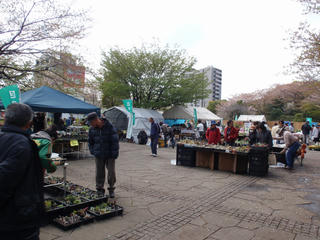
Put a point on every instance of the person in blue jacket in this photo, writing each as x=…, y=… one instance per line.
x=21, y=177
x=154, y=135
x=104, y=145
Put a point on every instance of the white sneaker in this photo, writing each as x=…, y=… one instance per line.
x=154, y=155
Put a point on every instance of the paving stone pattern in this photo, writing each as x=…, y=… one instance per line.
x=164, y=196
x=170, y=221
x=279, y=223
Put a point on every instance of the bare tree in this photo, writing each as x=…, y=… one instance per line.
x=30, y=29
x=306, y=41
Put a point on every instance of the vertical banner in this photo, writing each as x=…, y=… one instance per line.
x=128, y=104
x=309, y=120
x=195, y=116
x=10, y=94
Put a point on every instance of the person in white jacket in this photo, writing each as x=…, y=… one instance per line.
x=315, y=133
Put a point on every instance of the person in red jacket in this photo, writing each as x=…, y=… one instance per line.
x=230, y=133
x=213, y=134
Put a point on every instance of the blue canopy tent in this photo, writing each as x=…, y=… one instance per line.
x=46, y=99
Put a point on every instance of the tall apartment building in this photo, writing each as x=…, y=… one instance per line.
x=214, y=76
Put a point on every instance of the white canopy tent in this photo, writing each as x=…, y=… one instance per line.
x=253, y=118
x=187, y=113
x=119, y=118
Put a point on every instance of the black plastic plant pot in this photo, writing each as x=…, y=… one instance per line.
x=119, y=211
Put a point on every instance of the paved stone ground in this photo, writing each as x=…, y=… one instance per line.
x=167, y=202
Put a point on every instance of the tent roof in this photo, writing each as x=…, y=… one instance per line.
x=46, y=99
x=181, y=112
x=254, y=118
x=140, y=112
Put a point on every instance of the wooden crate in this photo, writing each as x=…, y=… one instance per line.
x=205, y=159
x=228, y=162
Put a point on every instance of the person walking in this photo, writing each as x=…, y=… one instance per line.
x=213, y=134
x=165, y=132
x=21, y=177
x=306, y=128
x=154, y=135
x=104, y=145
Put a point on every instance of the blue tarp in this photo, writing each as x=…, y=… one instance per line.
x=46, y=99
x=172, y=122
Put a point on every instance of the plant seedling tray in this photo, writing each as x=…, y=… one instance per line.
x=85, y=193
x=114, y=212
x=51, y=213
x=81, y=221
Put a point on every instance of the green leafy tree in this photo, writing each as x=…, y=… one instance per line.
x=213, y=105
x=152, y=76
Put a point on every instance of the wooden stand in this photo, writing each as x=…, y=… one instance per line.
x=228, y=162
x=205, y=159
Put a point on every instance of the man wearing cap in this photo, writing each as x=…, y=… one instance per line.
x=213, y=134
x=104, y=145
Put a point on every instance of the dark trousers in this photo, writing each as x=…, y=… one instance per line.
x=26, y=234
x=166, y=137
x=101, y=165
x=154, y=143
x=173, y=142
x=291, y=153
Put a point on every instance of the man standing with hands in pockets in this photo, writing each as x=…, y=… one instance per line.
x=104, y=145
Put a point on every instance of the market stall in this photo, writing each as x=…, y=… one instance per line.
x=73, y=141
x=119, y=116
x=239, y=159
x=181, y=115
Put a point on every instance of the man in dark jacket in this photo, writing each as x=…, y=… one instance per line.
x=306, y=128
x=21, y=177
x=104, y=145
x=154, y=135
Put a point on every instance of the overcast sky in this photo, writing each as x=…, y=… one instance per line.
x=245, y=39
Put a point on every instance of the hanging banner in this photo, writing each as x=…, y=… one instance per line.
x=309, y=120
x=128, y=104
x=10, y=94
x=195, y=116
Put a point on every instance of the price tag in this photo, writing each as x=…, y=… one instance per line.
x=74, y=143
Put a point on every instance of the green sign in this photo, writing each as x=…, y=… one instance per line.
x=128, y=105
x=195, y=115
x=10, y=94
x=309, y=120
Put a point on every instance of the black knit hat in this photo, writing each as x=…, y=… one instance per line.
x=92, y=116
